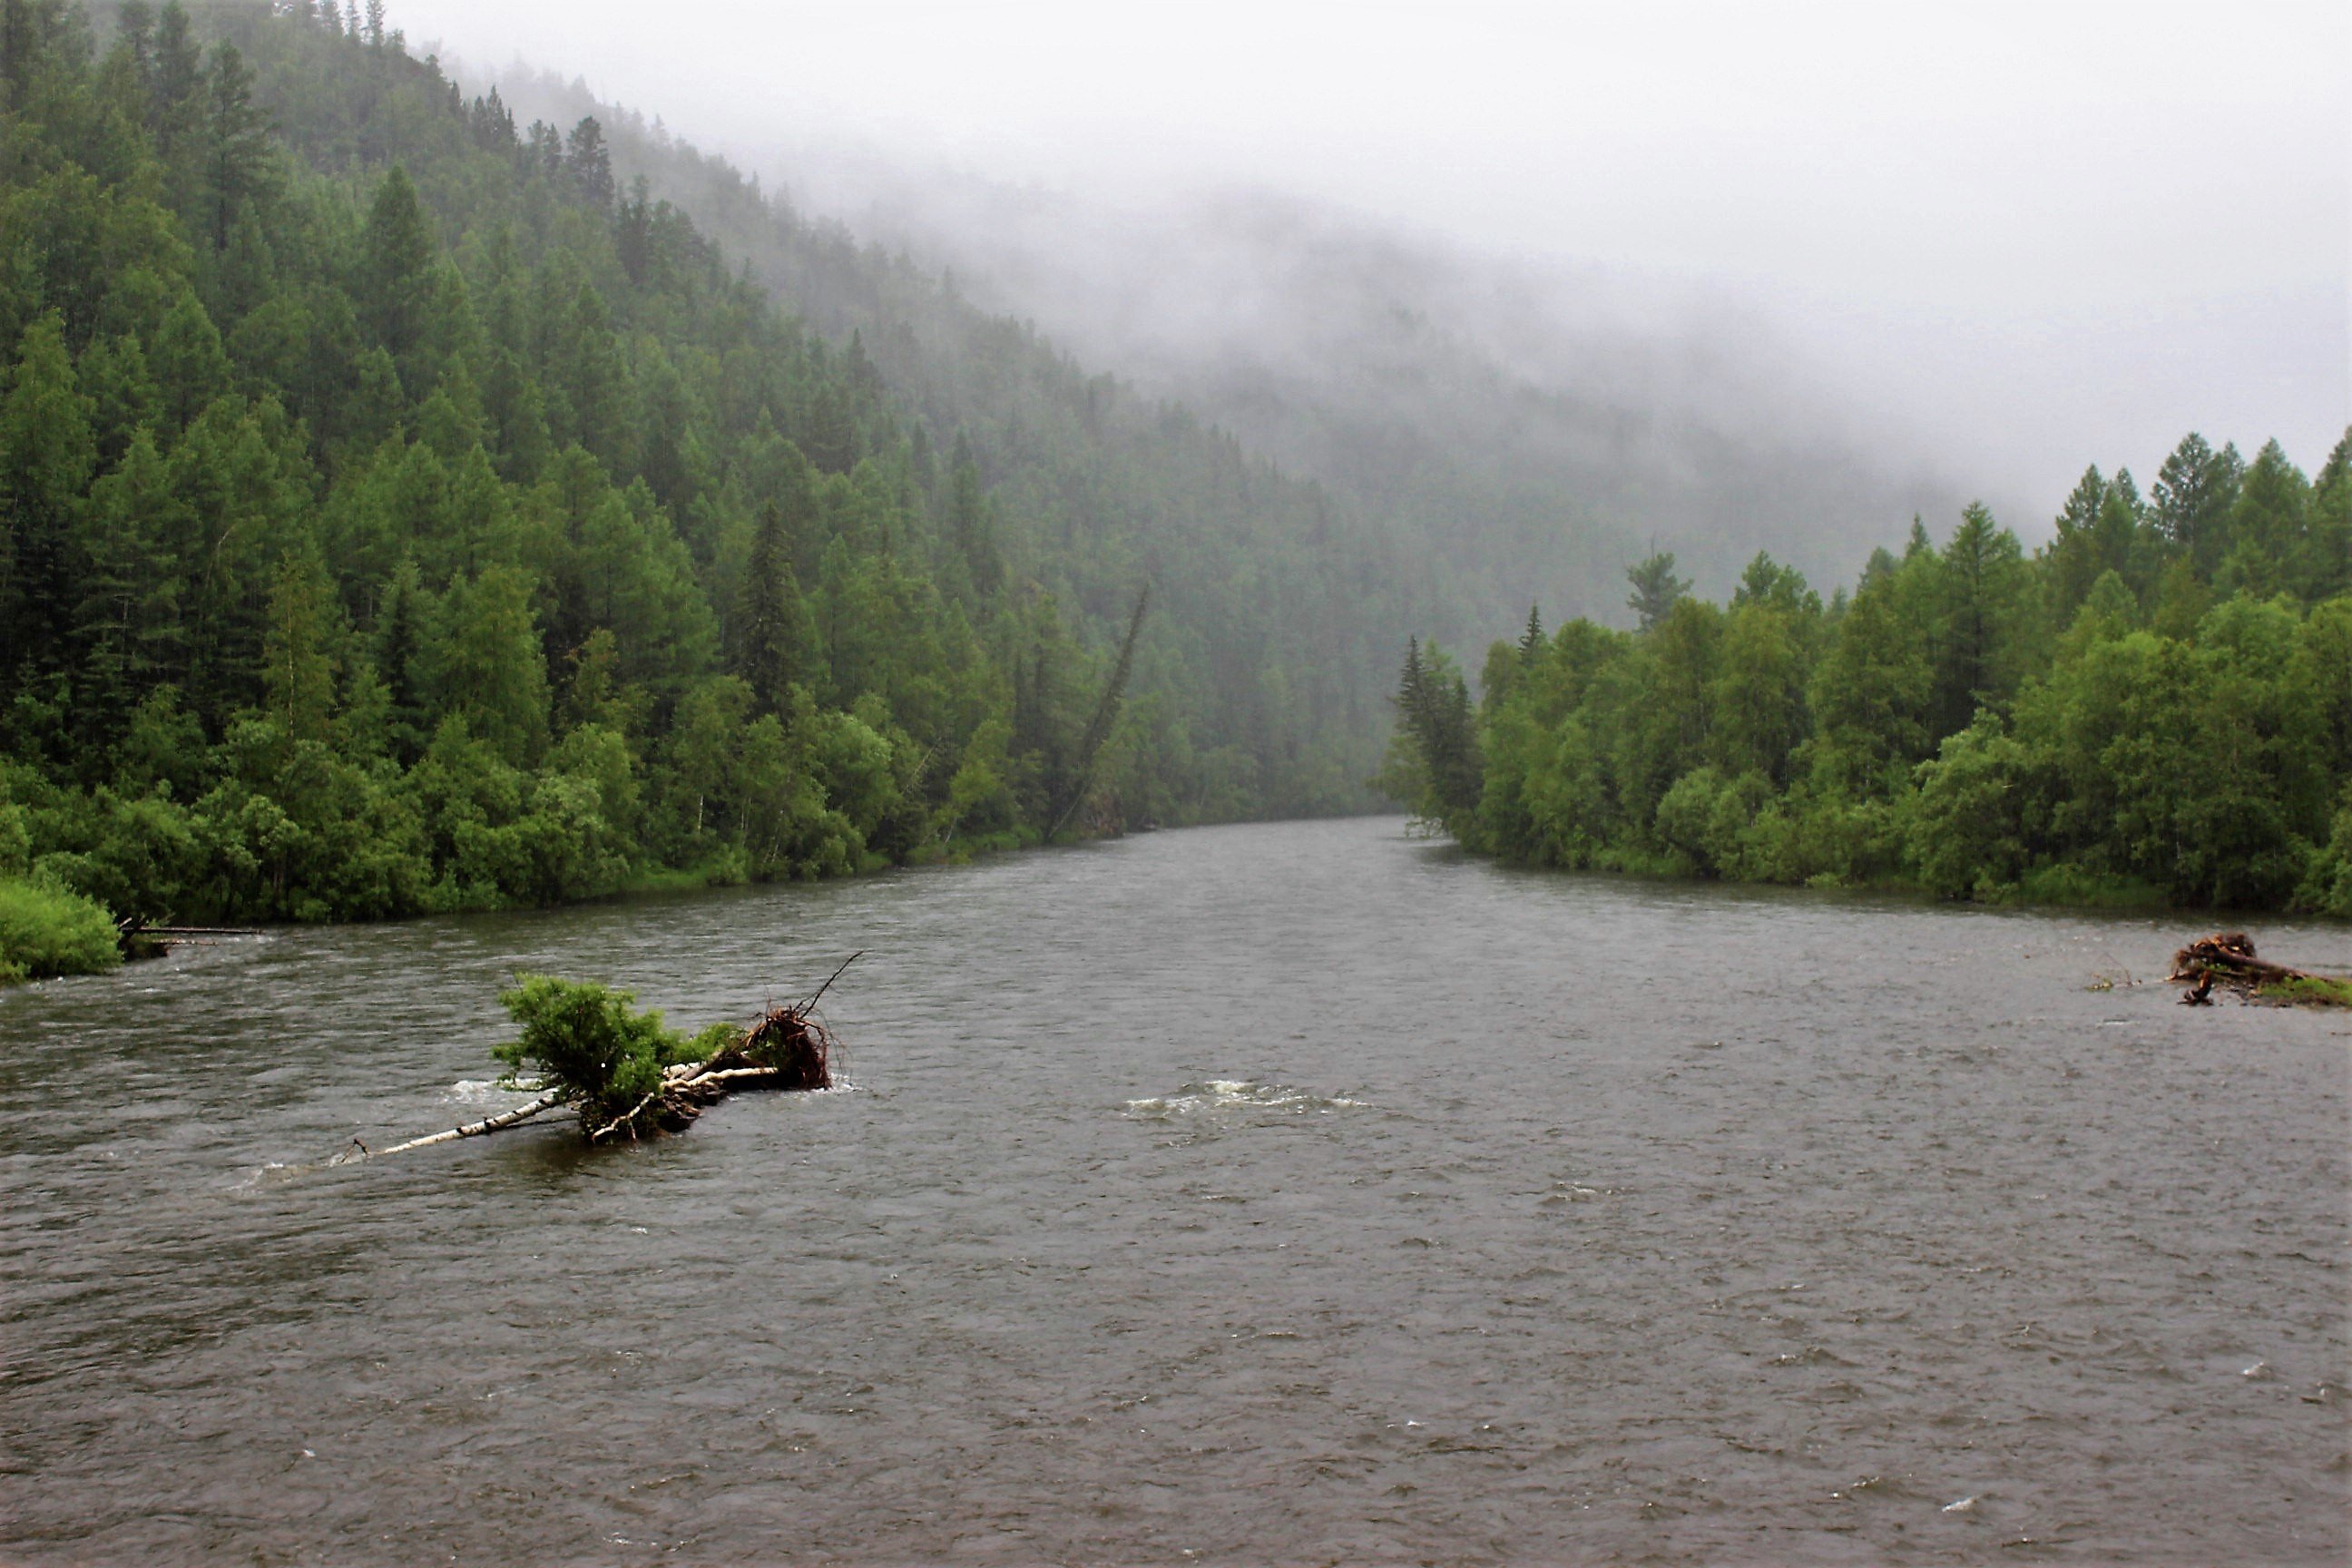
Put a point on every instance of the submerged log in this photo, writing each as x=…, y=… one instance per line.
x=486, y=1125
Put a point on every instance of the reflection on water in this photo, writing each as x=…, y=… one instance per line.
x=1242, y=1194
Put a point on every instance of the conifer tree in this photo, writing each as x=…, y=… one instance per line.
x=1655, y=589
x=590, y=164
x=776, y=628
x=176, y=83
x=394, y=285
x=2193, y=493
x=488, y=667
x=968, y=523
x=238, y=143
x=1531, y=641
x=298, y=663
x=47, y=455
x=400, y=619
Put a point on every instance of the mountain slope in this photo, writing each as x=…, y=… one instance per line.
x=402, y=513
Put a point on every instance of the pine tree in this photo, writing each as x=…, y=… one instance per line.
x=174, y=106
x=776, y=629
x=1983, y=580
x=47, y=454
x=1655, y=588
x=488, y=667
x=399, y=634
x=2269, y=527
x=238, y=134
x=393, y=286
x=191, y=368
x=968, y=521
x=129, y=619
x=2075, y=555
x=590, y=164
x=134, y=30
x=2192, y=497
x=491, y=123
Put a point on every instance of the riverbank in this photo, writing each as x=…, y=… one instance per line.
x=2055, y=888
x=49, y=930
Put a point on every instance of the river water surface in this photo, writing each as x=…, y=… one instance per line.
x=1275, y=1194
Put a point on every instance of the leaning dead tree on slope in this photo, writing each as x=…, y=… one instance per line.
x=1080, y=782
x=627, y=1076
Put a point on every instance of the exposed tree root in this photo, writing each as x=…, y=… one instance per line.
x=785, y=1049
x=2227, y=960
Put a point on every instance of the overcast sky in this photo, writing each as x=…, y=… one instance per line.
x=2047, y=234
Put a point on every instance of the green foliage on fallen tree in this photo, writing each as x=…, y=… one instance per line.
x=582, y=1039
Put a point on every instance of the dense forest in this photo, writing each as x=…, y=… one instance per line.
x=2154, y=707
x=406, y=510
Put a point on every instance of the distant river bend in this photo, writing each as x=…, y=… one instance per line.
x=1270, y=1193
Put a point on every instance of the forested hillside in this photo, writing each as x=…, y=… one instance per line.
x=405, y=511
x=1268, y=583
x=1516, y=429
x=2156, y=705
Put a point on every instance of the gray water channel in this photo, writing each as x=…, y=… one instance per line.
x=1283, y=1194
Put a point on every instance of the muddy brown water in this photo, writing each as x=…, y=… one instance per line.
x=1273, y=1193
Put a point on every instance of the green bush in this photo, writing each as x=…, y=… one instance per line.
x=46, y=929
x=582, y=1037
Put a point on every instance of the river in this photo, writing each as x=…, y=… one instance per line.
x=1292, y=1192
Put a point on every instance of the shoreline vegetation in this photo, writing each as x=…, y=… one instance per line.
x=2154, y=710
x=406, y=513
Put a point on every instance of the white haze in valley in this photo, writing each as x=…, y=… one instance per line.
x=1988, y=242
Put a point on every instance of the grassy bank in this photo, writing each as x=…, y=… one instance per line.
x=2309, y=991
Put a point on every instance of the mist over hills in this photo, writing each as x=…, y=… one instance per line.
x=1525, y=429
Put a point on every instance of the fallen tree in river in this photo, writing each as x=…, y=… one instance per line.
x=2227, y=959
x=626, y=1074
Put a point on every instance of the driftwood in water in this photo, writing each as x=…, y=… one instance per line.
x=138, y=938
x=626, y=1076
x=2228, y=959
x=488, y=1124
